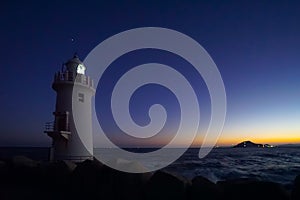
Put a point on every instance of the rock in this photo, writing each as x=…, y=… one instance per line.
x=91, y=179
x=163, y=185
x=29, y=179
x=129, y=185
x=4, y=173
x=296, y=189
x=56, y=178
x=249, y=189
x=70, y=165
x=24, y=171
x=2, y=164
x=3, y=168
x=22, y=161
x=202, y=188
x=126, y=165
x=23, y=179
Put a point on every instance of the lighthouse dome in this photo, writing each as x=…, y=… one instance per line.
x=75, y=65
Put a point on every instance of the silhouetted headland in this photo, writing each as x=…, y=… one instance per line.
x=249, y=144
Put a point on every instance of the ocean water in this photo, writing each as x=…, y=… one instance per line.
x=35, y=153
x=277, y=164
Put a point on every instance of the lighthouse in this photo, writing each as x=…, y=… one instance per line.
x=74, y=90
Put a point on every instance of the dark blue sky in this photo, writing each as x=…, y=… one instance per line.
x=255, y=44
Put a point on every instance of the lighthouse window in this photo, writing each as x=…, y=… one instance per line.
x=81, y=97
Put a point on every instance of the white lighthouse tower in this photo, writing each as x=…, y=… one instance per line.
x=66, y=140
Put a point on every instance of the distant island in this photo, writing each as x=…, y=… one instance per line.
x=249, y=144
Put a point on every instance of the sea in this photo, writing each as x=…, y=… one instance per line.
x=278, y=164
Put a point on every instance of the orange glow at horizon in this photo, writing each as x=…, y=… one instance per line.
x=228, y=142
x=281, y=137
x=227, y=138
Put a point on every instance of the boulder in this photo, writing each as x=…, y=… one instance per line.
x=163, y=185
x=2, y=164
x=296, y=189
x=56, y=178
x=128, y=185
x=4, y=169
x=202, y=188
x=125, y=165
x=91, y=179
x=23, y=179
x=24, y=171
x=249, y=189
x=22, y=161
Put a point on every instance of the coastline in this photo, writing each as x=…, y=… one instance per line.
x=23, y=178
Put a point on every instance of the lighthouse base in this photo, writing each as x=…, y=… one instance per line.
x=54, y=157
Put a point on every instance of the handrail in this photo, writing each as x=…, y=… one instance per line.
x=49, y=126
x=70, y=76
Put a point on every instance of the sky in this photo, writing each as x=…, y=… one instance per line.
x=255, y=45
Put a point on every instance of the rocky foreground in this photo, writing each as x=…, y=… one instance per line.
x=22, y=178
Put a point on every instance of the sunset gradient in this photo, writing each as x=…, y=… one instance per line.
x=255, y=45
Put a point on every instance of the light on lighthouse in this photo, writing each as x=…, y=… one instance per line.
x=80, y=69
x=66, y=140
